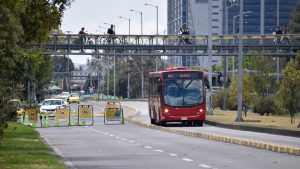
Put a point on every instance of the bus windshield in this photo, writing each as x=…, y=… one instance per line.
x=183, y=92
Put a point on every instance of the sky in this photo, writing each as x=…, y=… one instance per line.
x=92, y=14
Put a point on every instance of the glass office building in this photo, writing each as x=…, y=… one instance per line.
x=254, y=9
x=194, y=14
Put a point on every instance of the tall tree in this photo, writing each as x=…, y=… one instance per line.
x=24, y=22
x=289, y=92
x=249, y=93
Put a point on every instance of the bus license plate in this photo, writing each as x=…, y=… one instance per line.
x=183, y=118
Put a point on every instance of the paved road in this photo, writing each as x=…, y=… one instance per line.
x=133, y=147
x=267, y=138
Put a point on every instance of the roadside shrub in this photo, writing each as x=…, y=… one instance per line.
x=218, y=99
x=265, y=105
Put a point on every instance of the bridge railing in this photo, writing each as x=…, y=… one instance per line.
x=170, y=45
x=93, y=39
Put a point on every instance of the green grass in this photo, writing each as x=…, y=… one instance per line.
x=254, y=119
x=22, y=148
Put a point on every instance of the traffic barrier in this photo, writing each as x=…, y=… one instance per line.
x=85, y=115
x=113, y=112
x=62, y=116
x=76, y=123
x=26, y=119
x=56, y=122
x=32, y=115
x=47, y=123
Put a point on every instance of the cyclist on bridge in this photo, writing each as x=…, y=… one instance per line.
x=184, y=31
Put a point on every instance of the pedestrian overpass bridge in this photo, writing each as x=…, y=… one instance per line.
x=170, y=45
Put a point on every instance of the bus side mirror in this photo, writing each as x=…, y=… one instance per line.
x=158, y=89
x=207, y=83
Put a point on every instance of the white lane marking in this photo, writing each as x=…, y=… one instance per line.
x=131, y=141
x=187, y=159
x=102, y=132
x=148, y=147
x=59, y=153
x=173, y=155
x=117, y=137
x=204, y=166
x=111, y=135
x=124, y=139
x=106, y=133
x=159, y=151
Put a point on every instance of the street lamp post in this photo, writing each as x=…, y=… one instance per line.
x=147, y=4
x=128, y=19
x=114, y=65
x=225, y=65
x=155, y=6
x=209, y=44
x=142, y=72
x=128, y=71
x=277, y=58
x=104, y=28
x=68, y=73
x=234, y=33
x=239, y=117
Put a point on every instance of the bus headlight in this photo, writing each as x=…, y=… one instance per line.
x=200, y=111
x=166, y=110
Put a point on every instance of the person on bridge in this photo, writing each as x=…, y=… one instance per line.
x=277, y=39
x=184, y=31
x=111, y=30
x=82, y=32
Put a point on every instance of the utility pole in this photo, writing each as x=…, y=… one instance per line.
x=277, y=58
x=142, y=72
x=262, y=17
x=128, y=69
x=210, y=111
x=240, y=64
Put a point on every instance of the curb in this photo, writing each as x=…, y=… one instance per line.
x=215, y=137
x=282, y=132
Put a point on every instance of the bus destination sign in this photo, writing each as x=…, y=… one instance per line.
x=182, y=75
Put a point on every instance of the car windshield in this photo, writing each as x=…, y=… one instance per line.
x=183, y=92
x=52, y=102
x=74, y=95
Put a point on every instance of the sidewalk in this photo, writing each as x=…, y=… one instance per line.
x=236, y=134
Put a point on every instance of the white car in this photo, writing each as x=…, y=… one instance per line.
x=49, y=105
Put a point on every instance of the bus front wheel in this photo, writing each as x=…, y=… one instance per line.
x=199, y=122
x=152, y=121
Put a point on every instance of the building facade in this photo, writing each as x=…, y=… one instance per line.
x=260, y=16
x=194, y=14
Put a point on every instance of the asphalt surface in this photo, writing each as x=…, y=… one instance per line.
x=268, y=138
x=134, y=147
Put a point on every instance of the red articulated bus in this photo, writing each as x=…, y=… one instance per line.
x=177, y=95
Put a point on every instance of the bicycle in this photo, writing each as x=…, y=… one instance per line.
x=110, y=40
